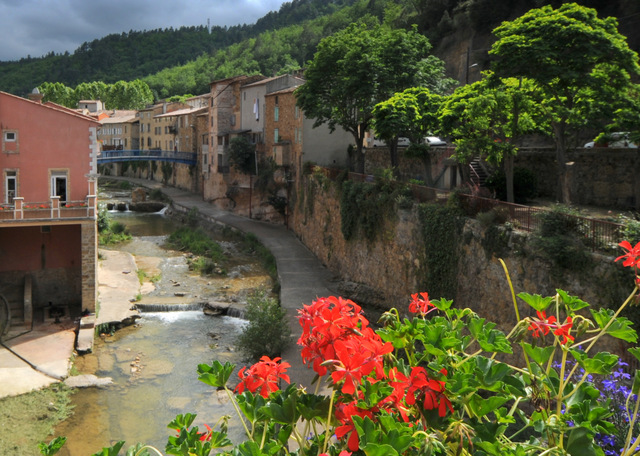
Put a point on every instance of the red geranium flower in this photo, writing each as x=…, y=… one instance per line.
x=263, y=376
x=632, y=257
x=429, y=389
x=563, y=331
x=345, y=414
x=541, y=327
x=420, y=304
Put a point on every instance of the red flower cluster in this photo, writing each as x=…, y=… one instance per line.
x=420, y=304
x=337, y=339
x=263, y=376
x=541, y=327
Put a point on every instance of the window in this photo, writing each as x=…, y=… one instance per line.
x=276, y=135
x=276, y=114
x=10, y=141
x=59, y=185
x=11, y=186
x=276, y=100
x=296, y=112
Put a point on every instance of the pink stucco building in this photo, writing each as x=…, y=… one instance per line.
x=48, y=209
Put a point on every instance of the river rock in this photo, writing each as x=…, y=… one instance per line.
x=138, y=195
x=87, y=380
x=147, y=206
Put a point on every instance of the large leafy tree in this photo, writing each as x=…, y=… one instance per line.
x=488, y=118
x=360, y=66
x=580, y=63
x=411, y=113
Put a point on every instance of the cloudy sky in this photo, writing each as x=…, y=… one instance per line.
x=37, y=27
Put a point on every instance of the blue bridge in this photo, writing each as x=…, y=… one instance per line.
x=113, y=156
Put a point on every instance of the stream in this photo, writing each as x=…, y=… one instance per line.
x=153, y=363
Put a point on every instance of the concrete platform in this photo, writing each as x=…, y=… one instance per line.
x=36, y=359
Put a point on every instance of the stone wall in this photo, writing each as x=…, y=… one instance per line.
x=89, y=241
x=386, y=272
x=601, y=177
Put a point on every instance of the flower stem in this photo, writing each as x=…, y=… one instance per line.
x=326, y=431
x=235, y=406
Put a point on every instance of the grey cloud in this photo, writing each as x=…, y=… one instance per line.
x=37, y=27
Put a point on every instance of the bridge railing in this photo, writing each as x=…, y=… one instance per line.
x=111, y=156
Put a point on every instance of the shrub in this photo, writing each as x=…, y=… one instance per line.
x=560, y=238
x=267, y=332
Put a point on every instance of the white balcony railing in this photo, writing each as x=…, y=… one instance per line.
x=53, y=209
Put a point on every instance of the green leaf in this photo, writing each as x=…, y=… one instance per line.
x=573, y=304
x=636, y=383
x=442, y=304
x=492, y=371
x=489, y=339
x=373, y=449
x=215, y=375
x=620, y=328
x=635, y=351
x=601, y=363
x=536, y=301
x=580, y=443
x=481, y=406
x=540, y=355
x=51, y=448
x=110, y=451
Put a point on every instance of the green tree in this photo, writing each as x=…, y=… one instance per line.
x=580, y=63
x=96, y=90
x=357, y=68
x=488, y=118
x=412, y=114
x=128, y=95
x=242, y=155
x=56, y=92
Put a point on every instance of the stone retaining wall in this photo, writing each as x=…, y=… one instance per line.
x=385, y=272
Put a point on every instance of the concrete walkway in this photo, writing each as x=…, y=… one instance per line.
x=42, y=356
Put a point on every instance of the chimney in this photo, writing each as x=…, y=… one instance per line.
x=36, y=96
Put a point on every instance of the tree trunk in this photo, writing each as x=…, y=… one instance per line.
x=563, y=193
x=426, y=162
x=508, y=172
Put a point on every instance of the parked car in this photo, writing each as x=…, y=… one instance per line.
x=618, y=139
x=405, y=142
x=434, y=141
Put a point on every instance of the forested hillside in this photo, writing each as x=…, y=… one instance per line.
x=185, y=60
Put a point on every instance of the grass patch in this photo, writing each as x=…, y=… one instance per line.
x=110, y=232
x=30, y=418
x=198, y=242
x=141, y=275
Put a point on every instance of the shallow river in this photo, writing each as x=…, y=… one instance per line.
x=153, y=364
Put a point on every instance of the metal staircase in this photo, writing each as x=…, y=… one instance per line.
x=478, y=172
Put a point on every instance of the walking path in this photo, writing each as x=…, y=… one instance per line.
x=49, y=348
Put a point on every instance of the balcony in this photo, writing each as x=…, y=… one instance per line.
x=48, y=211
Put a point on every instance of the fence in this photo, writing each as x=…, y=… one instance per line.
x=597, y=234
